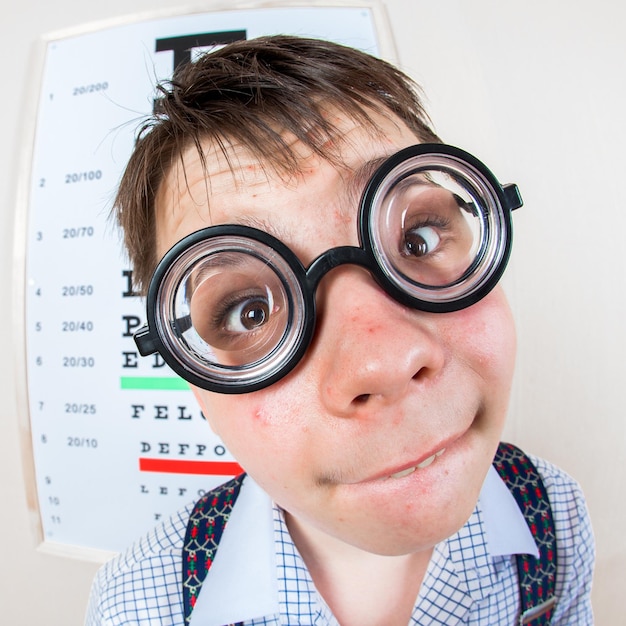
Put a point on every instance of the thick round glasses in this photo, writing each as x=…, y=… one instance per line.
x=231, y=308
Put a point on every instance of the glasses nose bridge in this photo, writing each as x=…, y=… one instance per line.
x=329, y=260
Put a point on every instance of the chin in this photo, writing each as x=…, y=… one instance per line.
x=406, y=540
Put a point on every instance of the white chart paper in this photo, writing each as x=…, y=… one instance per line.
x=117, y=440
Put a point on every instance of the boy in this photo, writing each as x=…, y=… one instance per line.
x=329, y=288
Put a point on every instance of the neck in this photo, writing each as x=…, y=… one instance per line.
x=361, y=588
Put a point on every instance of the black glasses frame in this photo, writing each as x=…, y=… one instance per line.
x=151, y=338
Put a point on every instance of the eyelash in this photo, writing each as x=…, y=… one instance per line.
x=225, y=307
x=436, y=221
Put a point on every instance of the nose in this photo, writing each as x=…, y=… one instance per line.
x=368, y=348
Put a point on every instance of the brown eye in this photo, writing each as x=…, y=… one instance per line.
x=247, y=315
x=419, y=242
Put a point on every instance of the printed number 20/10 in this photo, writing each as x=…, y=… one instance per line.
x=82, y=442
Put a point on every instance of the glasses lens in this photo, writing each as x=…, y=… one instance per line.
x=437, y=228
x=235, y=309
x=238, y=308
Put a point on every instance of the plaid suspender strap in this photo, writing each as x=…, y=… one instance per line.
x=204, y=531
x=536, y=576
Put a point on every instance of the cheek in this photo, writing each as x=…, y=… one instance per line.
x=484, y=336
x=261, y=430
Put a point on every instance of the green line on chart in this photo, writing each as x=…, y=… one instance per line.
x=169, y=383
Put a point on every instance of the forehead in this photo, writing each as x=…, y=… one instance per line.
x=233, y=186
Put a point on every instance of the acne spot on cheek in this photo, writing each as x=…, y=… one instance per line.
x=371, y=329
x=259, y=416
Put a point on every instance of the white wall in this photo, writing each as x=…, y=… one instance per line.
x=537, y=92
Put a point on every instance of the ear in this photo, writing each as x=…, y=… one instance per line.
x=199, y=395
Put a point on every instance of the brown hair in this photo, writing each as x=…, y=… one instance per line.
x=252, y=92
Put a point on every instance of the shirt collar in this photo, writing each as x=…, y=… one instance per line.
x=242, y=582
x=506, y=529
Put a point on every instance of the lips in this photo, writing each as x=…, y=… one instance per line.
x=409, y=470
x=397, y=471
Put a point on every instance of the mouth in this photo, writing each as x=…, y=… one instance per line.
x=395, y=472
x=409, y=470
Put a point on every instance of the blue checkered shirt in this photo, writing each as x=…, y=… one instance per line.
x=468, y=580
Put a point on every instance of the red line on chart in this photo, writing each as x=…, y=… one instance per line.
x=177, y=466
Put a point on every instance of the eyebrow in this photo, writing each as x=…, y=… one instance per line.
x=254, y=222
x=225, y=259
x=358, y=179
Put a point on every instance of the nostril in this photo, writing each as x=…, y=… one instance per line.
x=362, y=399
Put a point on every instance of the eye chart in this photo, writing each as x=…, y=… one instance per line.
x=117, y=441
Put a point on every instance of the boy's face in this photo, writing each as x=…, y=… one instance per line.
x=383, y=388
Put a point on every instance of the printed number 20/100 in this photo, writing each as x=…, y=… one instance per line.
x=81, y=177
